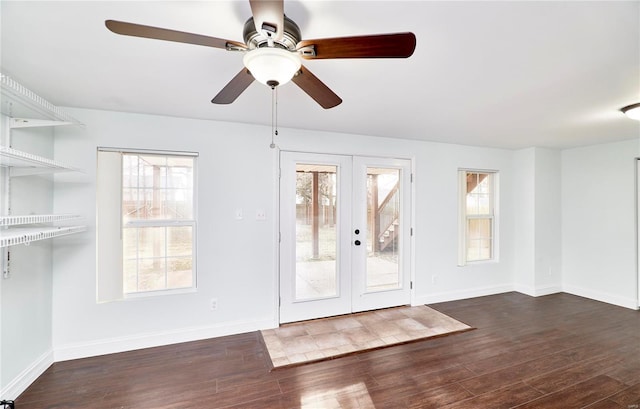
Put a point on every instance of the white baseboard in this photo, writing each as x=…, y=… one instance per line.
x=537, y=291
x=27, y=377
x=602, y=296
x=149, y=340
x=461, y=295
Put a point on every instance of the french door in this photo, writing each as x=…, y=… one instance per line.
x=345, y=234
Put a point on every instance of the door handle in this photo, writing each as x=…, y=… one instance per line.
x=357, y=242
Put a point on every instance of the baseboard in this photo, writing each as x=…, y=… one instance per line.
x=461, y=295
x=537, y=291
x=149, y=340
x=630, y=303
x=27, y=377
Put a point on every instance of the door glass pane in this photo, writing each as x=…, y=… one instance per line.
x=316, y=234
x=383, y=229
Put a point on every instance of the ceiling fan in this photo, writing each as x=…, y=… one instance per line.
x=274, y=50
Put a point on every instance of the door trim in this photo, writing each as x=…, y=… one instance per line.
x=278, y=222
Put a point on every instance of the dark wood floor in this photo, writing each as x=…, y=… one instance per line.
x=558, y=351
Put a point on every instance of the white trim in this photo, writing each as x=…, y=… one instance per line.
x=277, y=233
x=637, y=237
x=601, y=296
x=25, y=378
x=463, y=294
x=155, y=339
x=537, y=291
x=147, y=151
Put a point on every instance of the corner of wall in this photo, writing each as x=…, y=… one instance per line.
x=25, y=378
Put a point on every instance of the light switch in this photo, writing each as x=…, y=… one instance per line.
x=239, y=214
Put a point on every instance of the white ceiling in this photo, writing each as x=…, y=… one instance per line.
x=498, y=74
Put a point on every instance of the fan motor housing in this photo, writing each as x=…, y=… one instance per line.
x=254, y=39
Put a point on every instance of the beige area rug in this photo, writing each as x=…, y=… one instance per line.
x=318, y=340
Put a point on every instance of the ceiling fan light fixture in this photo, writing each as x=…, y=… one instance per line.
x=632, y=111
x=272, y=66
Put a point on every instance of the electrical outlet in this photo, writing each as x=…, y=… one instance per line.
x=214, y=304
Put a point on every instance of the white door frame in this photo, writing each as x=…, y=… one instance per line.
x=322, y=307
x=637, y=176
x=408, y=208
x=362, y=300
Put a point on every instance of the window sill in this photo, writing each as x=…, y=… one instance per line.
x=159, y=293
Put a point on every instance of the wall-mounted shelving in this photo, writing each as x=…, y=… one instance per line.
x=26, y=235
x=17, y=220
x=24, y=163
x=25, y=109
x=18, y=100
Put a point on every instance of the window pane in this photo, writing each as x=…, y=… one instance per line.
x=157, y=187
x=383, y=229
x=179, y=241
x=129, y=243
x=157, y=191
x=316, y=234
x=130, y=279
x=151, y=274
x=478, y=197
x=179, y=272
x=144, y=251
x=151, y=242
x=479, y=236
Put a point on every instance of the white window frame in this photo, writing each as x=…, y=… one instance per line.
x=463, y=217
x=110, y=226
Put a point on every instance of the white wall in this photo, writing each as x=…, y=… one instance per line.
x=437, y=276
x=236, y=259
x=598, y=229
x=548, y=222
x=26, y=297
x=592, y=246
x=525, y=221
x=538, y=248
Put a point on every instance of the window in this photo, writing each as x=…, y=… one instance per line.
x=146, y=222
x=477, y=216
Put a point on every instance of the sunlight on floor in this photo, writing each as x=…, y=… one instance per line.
x=351, y=396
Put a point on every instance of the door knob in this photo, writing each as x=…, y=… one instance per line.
x=357, y=242
x=357, y=231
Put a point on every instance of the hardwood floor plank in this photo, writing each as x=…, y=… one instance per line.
x=504, y=398
x=578, y=396
x=557, y=351
x=629, y=397
x=432, y=398
x=572, y=374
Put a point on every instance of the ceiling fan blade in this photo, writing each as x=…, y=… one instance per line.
x=396, y=45
x=157, y=33
x=316, y=89
x=268, y=16
x=234, y=88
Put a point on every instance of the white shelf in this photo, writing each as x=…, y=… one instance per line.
x=23, y=163
x=26, y=109
x=18, y=100
x=35, y=219
x=26, y=235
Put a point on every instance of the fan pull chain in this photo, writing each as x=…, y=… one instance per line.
x=274, y=115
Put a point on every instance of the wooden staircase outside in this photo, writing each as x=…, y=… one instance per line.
x=387, y=219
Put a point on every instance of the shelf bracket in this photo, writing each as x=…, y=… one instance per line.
x=6, y=272
x=16, y=123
